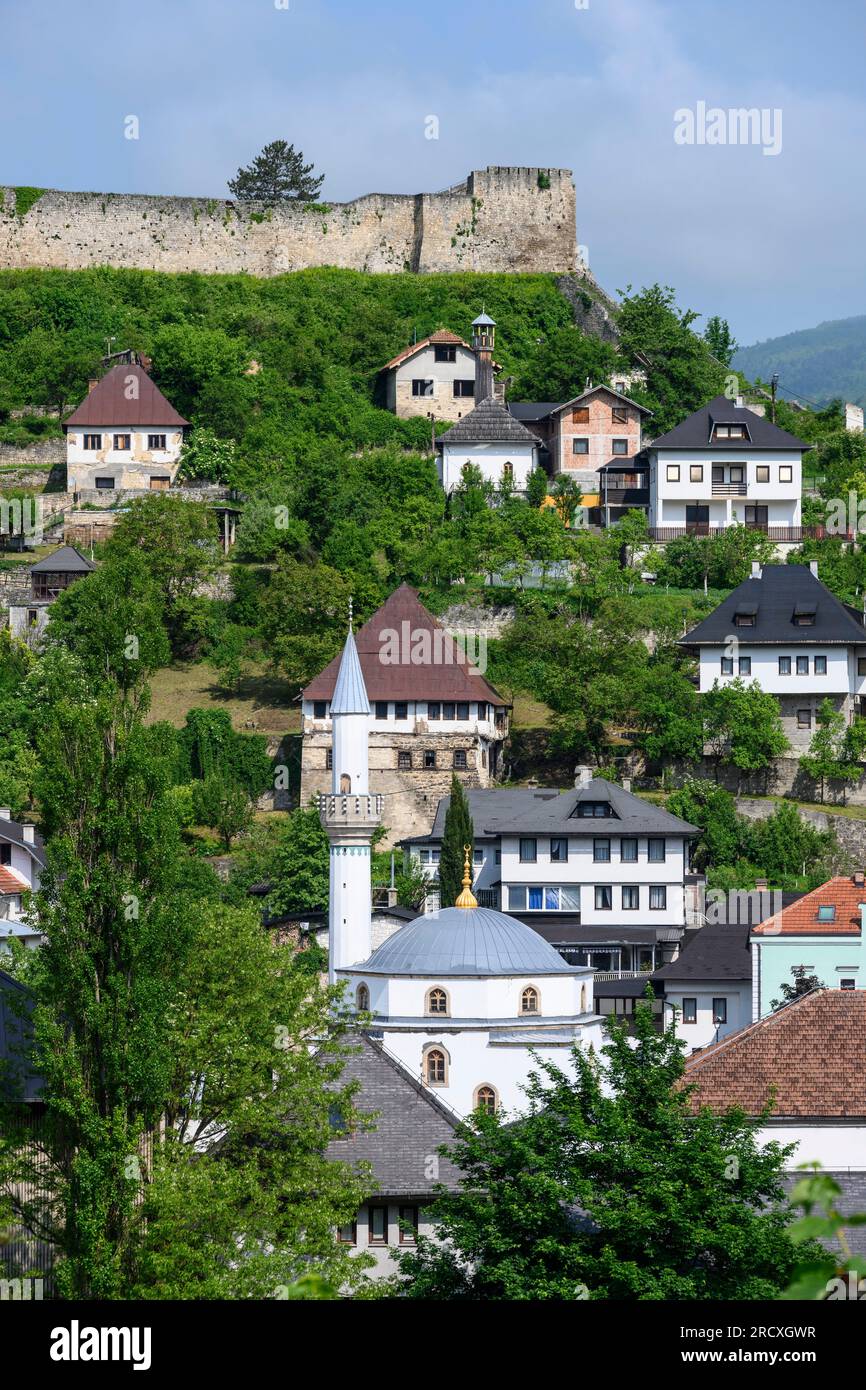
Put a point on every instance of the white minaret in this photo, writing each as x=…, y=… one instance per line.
x=350, y=816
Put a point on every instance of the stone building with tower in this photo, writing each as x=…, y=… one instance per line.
x=433, y=714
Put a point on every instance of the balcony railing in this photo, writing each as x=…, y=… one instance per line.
x=729, y=489
x=792, y=535
x=617, y=482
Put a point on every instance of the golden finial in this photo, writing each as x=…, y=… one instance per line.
x=467, y=897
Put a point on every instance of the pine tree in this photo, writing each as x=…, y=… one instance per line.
x=279, y=172
x=457, y=834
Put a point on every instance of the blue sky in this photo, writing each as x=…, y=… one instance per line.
x=770, y=243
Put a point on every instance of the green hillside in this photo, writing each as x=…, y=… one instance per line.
x=815, y=363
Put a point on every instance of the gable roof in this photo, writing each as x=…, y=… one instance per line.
x=718, y=951
x=810, y=1052
x=801, y=918
x=108, y=404
x=66, y=560
x=13, y=831
x=445, y=676
x=593, y=391
x=774, y=596
x=525, y=810
x=442, y=335
x=489, y=423
x=695, y=432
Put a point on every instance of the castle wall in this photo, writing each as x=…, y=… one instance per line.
x=499, y=220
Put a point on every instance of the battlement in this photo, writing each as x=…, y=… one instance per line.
x=499, y=219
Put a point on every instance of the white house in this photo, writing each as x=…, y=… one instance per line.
x=726, y=465
x=22, y=859
x=785, y=630
x=435, y=376
x=124, y=435
x=707, y=990
x=494, y=441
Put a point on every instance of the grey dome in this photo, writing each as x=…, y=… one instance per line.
x=465, y=941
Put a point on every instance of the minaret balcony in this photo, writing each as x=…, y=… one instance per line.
x=339, y=810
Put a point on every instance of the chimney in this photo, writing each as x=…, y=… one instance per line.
x=813, y=568
x=859, y=879
x=761, y=885
x=5, y=813
x=94, y=381
x=582, y=775
x=28, y=832
x=756, y=570
x=740, y=403
x=626, y=784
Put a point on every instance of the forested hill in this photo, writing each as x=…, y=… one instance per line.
x=817, y=364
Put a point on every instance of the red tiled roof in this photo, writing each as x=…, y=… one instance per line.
x=11, y=881
x=108, y=404
x=812, y=1053
x=442, y=335
x=448, y=678
x=801, y=918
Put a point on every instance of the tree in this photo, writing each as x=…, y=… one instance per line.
x=558, y=367
x=742, y=724
x=537, y=485
x=803, y=984
x=668, y=716
x=835, y=749
x=299, y=868
x=675, y=1202
x=457, y=833
x=224, y=806
x=567, y=497
x=720, y=339
x=682, y=374
x=276, y=174
x=413, y=883
x=714, y=810
x=206, y=457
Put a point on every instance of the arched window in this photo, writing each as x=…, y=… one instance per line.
x=583, y=999
x=486, y=1099
x=345, y=782
x=508, y=470
x=436, y=1066
x=362, y=998
x=529, y=1000
x=437, y=1000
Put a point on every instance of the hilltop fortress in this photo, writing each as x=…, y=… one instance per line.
x=497, y=220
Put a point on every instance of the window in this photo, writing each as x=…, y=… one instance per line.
x=422, y=386
x=758, y=517
x=690, y=1011
x=377, y=1230
x=579, y=446
x=408, y=1225
x=619, y=415
x=434, y=710
x=737, y=472
x=404, y=761
x=820, y=665
x=847, y=984
x=32, y=615
x=435, y=1066
x=482, y=711
x=827, y=912
x=528, y=851
x=460, y=759
x=345, y=782
x=92, y=441
x=559, y=850
x=762, y=473
x=381, y=709
x=658, y=897
x=478, y=855
x=329, y=759
x=580, y=415
x=804, y=719
x=448, y=711
x=620, y=386
x=362, y=998
x=158, y=484
x=804, y=615
x=463, y=711
x=320, y=709
x=443, y=352
x=588, y=810
x=620, y=446
x=630, y=897
x=727, y=665
x=656, y=851
x=529, y=1001
x=486, y=1099
x=730, y=432
x=464, y=388
x=516, y=899
x=437, y=1001
x=569, y=899
x=746, y=615
x=861, y=666
x=401, y=710
x=603, y=897
x=720, y=1011
x=786, y=473
x=628, y=851
x=105, y=484
x=123, y=441
x=601, y=851
x=744, y=665
x=802, y=666
x=673, y=473
x=696, y=472
x=429, y=759
x=5, y=854
x=348, y=1234
x=784, y=666
x=156, y=441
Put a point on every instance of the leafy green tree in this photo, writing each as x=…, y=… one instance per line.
x=224, y=806
x=742, y=725
x=714, y=810
x=190, y=360
x=789, y=850
x=413, y=883
x=206, y=457
x=537, y=485
x=53, y=370
x=559, y=366
x=803, y=984
x=277, y=173
x=567, y=497
x=299, y=867
x=304, y=612
x=676, y=1203
x=835, y=749
x=682, y=373
x=209, y=746
x=457, y=833
x=836, y=1270
x=720, y=339
x=667, y=715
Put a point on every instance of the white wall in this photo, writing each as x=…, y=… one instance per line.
x=702, y=1033
x=833, y=1145
x=490, y=459
x=841, y=676
x=131, y=467
x=668, y=499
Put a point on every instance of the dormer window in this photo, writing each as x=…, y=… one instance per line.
x=804, y=615
x=730, y=432
x=746, y=615
x=593, y=810
x=827, y=913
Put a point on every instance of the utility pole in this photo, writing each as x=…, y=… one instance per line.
x=774, y=385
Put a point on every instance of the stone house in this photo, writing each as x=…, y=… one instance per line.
x=27, y=605
x=442, y=376
x=123, y=435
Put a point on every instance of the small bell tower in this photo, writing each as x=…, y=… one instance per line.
x=483, y=339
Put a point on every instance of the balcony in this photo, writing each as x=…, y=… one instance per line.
x=782, y=535
x=729, y=489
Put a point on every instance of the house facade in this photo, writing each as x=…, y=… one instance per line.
x=707, y=990
x=432, y=715
x=434, y=377
x=726, y=465
x=490, y=437
x=598, y=428
x=28, y=607
x=124, y=435
x=22, y=860
x=820, y=934
x=785, y=630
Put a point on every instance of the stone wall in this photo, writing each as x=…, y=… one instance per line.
x=44, y=453
x=850, y=831
x=498, y=219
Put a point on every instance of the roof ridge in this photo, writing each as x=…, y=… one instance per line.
x=715, y=1049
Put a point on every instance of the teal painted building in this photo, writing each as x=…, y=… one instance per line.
x=822, y=933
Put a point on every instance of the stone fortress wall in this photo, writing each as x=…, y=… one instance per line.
x=497, y=220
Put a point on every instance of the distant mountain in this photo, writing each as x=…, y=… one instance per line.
x=815, y=363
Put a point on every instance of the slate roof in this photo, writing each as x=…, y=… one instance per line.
x=811, y=1052
x=108, y=403
x=13, y=831
x=572, y=933
x=350, y=693
x=489, y=423
x=773, y=597
x=695, y=432
x=801, y=918
x=411, y=1123
x=532, y=410
x=718, y=951
x=18, y=1081
x=448, y=678
x=465, y=941
x=66, y=560
x=594, y=390
x=531, y=810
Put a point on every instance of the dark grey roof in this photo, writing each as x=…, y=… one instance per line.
x=631, y=988
x=465, y=941
x=717, y=951
x=489, y=423
x=532, y=410
x=779, y=591
x=66, y=560
x=14, y=830
x=695, y=432
x=411, y=1123
x=18, y=1080
x=573, y=933
x=851, y=1202
x=531, y=810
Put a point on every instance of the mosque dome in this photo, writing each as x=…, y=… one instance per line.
x=465, y=941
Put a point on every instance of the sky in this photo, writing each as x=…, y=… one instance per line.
x=771, y=242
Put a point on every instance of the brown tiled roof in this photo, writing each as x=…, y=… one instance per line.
x=801, y=918
x=811, y=1052
x=449, y=678
x=107, y=404
x=442, y=335
x=11, y=881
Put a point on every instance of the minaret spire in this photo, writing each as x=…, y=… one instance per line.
x=467, y=898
